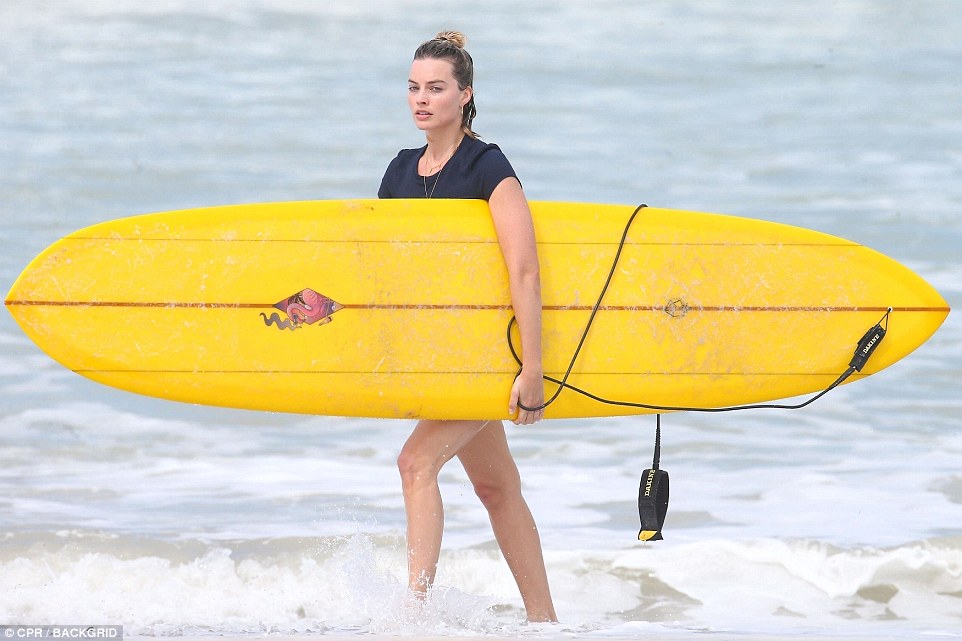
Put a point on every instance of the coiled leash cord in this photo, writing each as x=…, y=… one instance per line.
x=866, y=346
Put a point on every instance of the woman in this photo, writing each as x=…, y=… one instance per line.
x=456, y=164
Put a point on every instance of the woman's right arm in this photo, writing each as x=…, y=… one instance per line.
x=515, y=230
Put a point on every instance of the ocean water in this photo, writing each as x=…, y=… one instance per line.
x=840, y=520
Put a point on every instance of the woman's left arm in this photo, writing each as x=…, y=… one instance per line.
x=515, y=230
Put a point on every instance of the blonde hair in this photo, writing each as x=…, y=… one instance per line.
x=449, y=45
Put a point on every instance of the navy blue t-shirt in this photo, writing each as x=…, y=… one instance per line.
x=474, y=170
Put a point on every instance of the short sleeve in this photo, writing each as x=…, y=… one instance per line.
x=492, y=167
x=389, y=179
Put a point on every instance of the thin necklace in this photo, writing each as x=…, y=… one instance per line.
x=434, y=186
x=441, y=164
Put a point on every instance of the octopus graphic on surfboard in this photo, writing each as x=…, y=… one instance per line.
x=306, y=307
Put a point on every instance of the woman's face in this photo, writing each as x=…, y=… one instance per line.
x=433, y=95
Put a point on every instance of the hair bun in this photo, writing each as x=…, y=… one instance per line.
x=456, y=38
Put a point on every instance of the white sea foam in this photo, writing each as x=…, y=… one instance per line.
x=354, y=584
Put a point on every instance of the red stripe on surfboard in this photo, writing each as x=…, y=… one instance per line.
x=390, y=307
x=459, y=373
x=462, y=241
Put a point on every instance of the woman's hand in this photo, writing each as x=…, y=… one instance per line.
x=528, y=388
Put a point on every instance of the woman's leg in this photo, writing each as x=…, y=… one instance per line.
x=494, y=474
x=430, y=446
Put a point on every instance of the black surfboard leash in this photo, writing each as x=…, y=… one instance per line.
x=653, y=489
x=653, y=494
x=866, y=346
x=864, y=349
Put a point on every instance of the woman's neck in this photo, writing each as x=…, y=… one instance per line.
x=441, y=146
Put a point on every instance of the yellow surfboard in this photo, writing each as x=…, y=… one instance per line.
x=400, y=308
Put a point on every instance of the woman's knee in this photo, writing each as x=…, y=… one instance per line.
x=417, y=467
x=430, y=446
x=495, y=494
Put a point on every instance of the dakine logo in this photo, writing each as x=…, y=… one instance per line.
x=868, y=347
x=649, y=482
